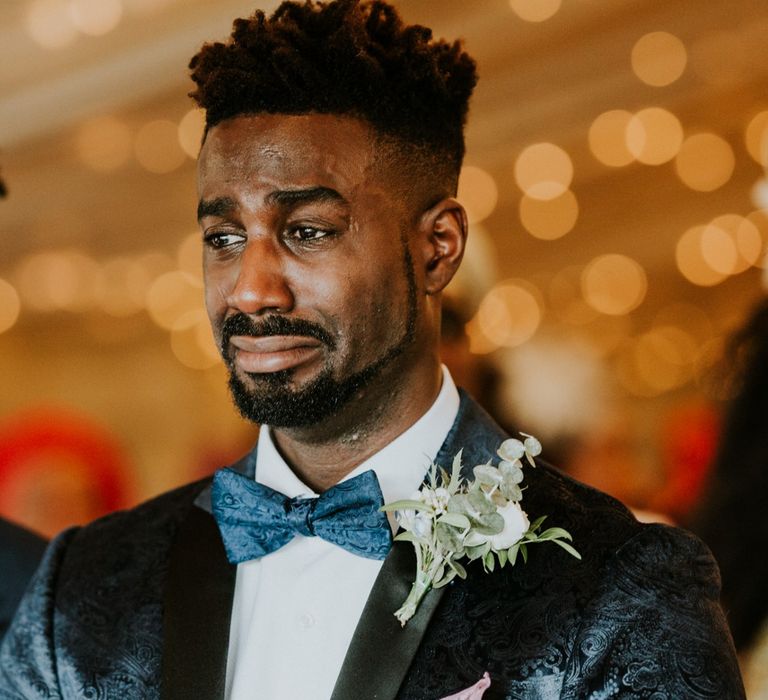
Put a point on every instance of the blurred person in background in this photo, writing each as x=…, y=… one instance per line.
x=731, y=517
x=20, y=552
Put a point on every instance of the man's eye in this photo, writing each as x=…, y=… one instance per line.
x=222, y=240
x=309, y=233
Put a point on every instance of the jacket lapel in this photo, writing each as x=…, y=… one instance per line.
x=197, y=606
x=381, y=652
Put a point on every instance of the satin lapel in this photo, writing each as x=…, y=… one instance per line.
x=197, y=609
x=381, y=652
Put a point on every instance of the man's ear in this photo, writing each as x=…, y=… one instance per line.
x=443, y=238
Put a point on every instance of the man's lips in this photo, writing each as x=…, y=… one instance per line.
x=273, y=353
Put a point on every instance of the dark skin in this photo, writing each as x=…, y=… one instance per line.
x=302, y=217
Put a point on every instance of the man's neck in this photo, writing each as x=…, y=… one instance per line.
x=323, y=454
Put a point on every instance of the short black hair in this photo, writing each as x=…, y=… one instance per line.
x=347, y=57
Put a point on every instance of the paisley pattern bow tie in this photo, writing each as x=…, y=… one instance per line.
x=255, y=520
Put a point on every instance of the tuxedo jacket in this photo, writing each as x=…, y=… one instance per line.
x=136, y=606
x=20, y=552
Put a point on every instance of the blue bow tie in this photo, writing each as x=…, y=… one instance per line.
x=255, y=520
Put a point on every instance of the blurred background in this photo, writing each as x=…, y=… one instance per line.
x=616, y=186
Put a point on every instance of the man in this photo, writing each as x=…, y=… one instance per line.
x=326, y=182
x=20, y=552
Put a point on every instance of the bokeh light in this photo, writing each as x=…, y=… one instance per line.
x=49, y=23
x=10, y=305
x=756, y=137
x=477, y=192
x=55, y=280
x=614, y=284
x=705, y=162
x=172, y=295
x=549, y=219
x=157, y=147
x=104, y=143
x=659, y=58
x=192, y=341
x=122, y=286
x=608, y=138
x=691, y=262
x=543, y=171
x=719, y=57
x=189, y=255
x=96, y=17
x=759, y=219
x=190, y=132
x=654, y=135
x=535, y=10
x=510, y=313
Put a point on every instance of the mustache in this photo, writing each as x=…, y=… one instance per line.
x=242, y=324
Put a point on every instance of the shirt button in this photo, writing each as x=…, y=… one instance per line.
x=307, y=621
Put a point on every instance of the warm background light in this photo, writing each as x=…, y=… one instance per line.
x=543, y=171
x=608, y=138
x=104, y=143
x=535, y=10
x=549, y=219
x=157, y=147
x=509, y=314
x=96, y=17
x=614, y=284
x=690, y=259
x=705, y=162
x=659, y=58
x=654, y=135
x=477, y=192
x=10, y=305
x=190, y=132
x=49, y=23
x=172, y=295
x=756, y=137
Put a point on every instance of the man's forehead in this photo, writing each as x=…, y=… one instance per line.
x=288, y=145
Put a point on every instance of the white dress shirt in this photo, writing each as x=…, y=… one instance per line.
x=295, y=610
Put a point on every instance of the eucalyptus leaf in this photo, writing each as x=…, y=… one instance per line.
x=490, y=524
x=459, y=504
x=407, y=536
x=455, y=519
x=405, y=505
x=449, y=537
x=511, y=491
x=480, y=503
x=475, y=552
x=461, y=572
x=439, y=583
x=487, y=475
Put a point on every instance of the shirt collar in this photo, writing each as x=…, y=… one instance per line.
x=400, y=466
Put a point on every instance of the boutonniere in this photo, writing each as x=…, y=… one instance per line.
x=451, y=519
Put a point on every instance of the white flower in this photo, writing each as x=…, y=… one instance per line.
x=405, y=519
x=422, y=525
x=532, y=445
x=515, y=526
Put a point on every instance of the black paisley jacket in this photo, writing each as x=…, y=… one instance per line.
x=136, y=607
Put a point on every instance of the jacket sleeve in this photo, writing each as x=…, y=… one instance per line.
x=28, y=652
x=656, y=628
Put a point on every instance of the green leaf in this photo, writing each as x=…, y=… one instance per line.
x=555, y=533
x=524, y=553
x=488, y=524
x=455, y=519
x=475, y=552
x=512, y=553
x=537, y=523
x=456, y=470
x=449, y=576
x=568, y=548
x=503, y=557
x=405, y=505
x=407, y=536
x=479, y=501
x=461, y=572
x=490, y=561
x=459, y=504
x=449, y=537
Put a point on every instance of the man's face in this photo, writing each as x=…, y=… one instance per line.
x=310, y=285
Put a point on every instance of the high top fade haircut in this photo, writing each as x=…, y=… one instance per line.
x=352, y=58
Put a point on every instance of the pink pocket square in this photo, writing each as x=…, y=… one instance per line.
x=474, y=692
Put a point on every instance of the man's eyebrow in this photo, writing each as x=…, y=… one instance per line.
x=215, y=207
x=304, y=196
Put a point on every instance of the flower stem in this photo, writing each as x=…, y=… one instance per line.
x=419, y=589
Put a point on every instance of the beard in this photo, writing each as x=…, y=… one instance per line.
x=271, y=400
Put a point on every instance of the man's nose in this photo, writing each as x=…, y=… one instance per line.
x=261, y=285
